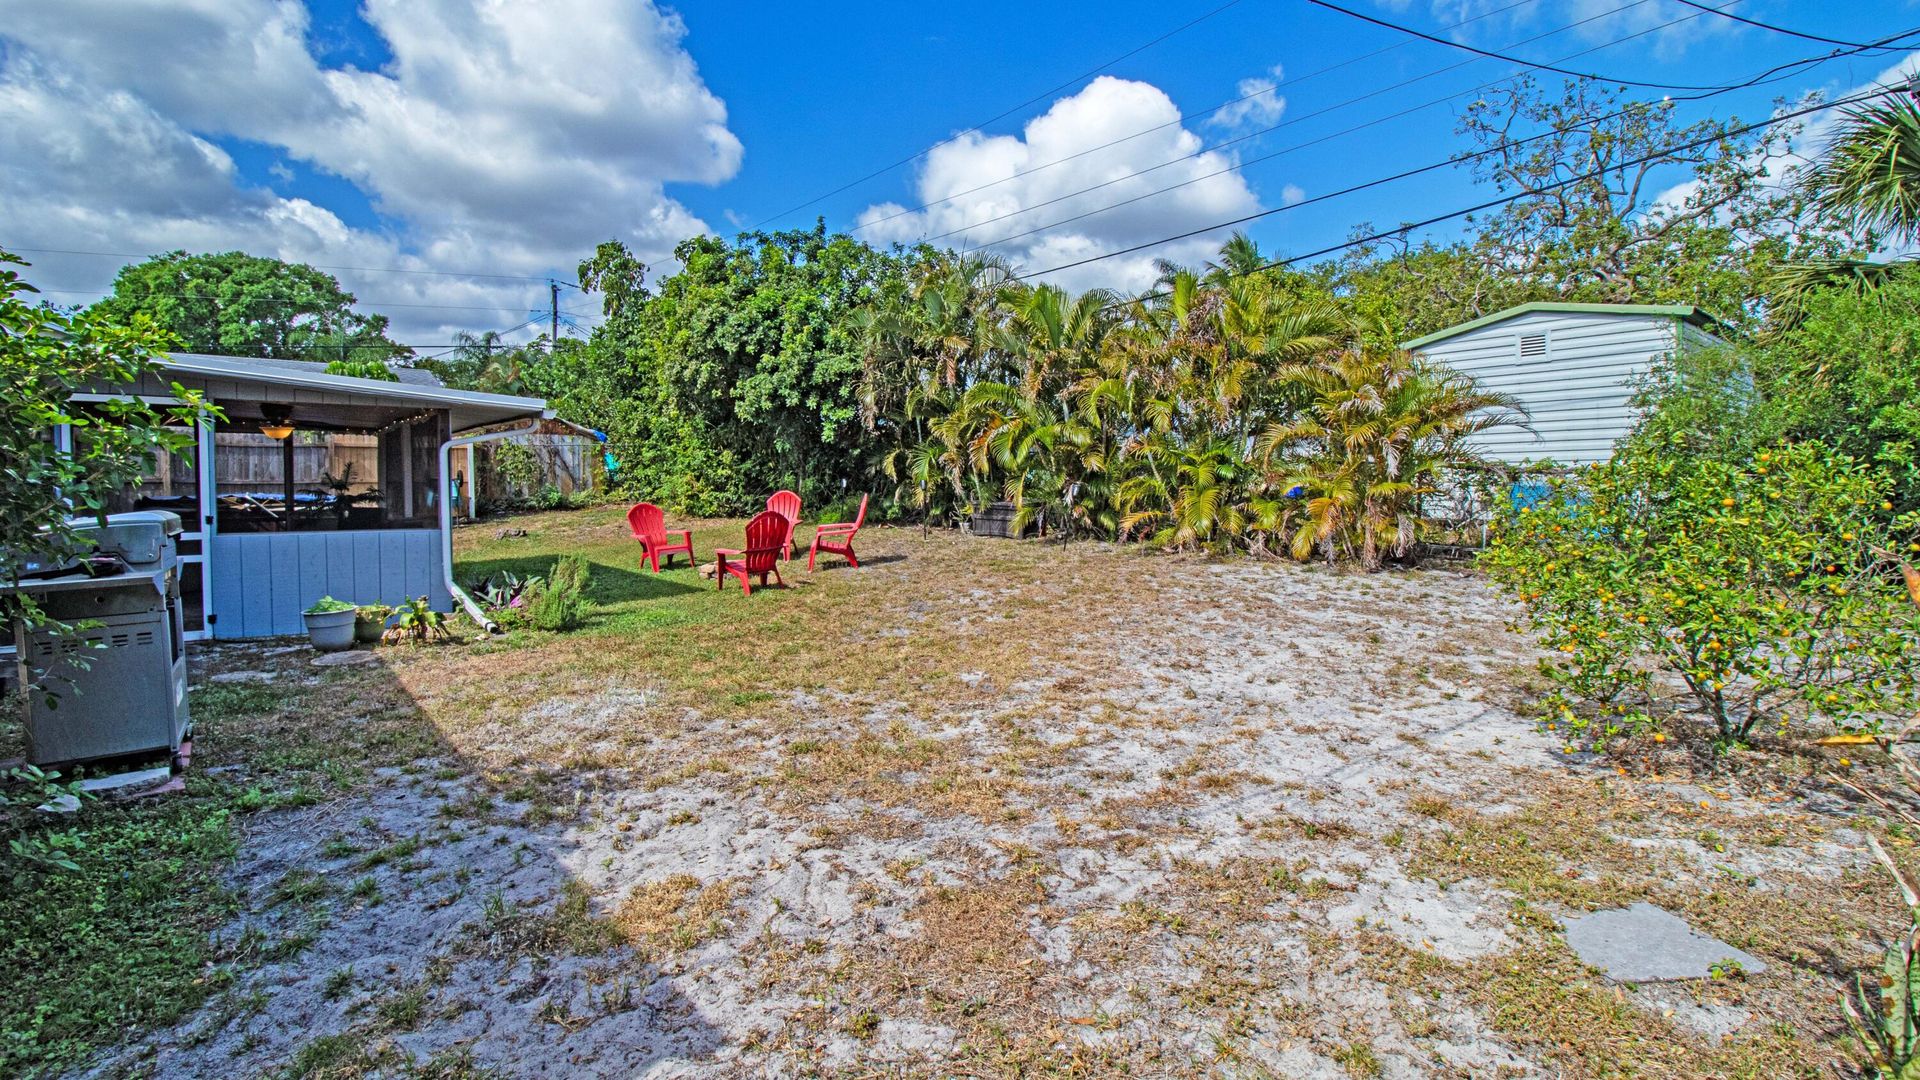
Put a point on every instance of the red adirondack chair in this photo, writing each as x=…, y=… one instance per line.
x=787, y=505
x=838, y=539
x=761, y=557
x=649, y=526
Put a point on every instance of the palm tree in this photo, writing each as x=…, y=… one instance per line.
x=1868, y=177
x=1239, y=257
x=1378, y=429
x=1194, y=495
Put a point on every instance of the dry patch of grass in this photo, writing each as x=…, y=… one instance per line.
x=1547, y=1001
x=674, y=914
x=569, y=928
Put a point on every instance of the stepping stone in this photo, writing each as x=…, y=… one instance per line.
x=1642, y=943
x=351, y=658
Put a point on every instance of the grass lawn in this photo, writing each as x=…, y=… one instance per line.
x=975, y=808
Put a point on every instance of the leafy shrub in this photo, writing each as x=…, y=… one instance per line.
x=502, y=590
x=415, y=621
x=846, y=507
x=1759, y=593
x=518, y=465
x=22, y=791
x=1845, y=375
x=558, y=604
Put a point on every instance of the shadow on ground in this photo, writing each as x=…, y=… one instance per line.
x=418, y=916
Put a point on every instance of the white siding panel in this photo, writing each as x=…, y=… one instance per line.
x=1579, y=396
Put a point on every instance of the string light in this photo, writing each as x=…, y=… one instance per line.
x=416, y=418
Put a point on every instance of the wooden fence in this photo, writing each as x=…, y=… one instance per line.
x=245, y=461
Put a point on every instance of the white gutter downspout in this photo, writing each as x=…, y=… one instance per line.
x=446, y=517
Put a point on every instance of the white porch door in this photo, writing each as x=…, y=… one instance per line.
x=196, y=541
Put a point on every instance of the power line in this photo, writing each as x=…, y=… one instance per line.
x=1569, y=72
x=317, y=266
x=1003, y=113
x=1302, y=118
x=1880, y=91
x=1184, y=117
x=1771, y=74
x=376, y=304
x=1723, y=13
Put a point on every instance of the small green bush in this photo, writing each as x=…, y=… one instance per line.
x=1760, y=593
x=518, y=465
x=559, y=603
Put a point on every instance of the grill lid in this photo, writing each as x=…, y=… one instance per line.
x=140, y=537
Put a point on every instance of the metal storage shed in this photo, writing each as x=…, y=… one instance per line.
x=1574, y=367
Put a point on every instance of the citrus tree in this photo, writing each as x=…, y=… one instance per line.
x=1761, y=594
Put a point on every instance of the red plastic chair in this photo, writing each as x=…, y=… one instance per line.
x=787, y=505
x=761, y=557
x=649, y=526
x=838, y=539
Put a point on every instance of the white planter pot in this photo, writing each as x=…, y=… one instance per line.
x=330, y=631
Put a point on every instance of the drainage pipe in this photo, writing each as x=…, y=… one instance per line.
x=446, y=516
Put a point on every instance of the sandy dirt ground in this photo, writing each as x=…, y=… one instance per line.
x=1081, y=812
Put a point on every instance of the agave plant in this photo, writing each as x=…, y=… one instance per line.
x=503, y=589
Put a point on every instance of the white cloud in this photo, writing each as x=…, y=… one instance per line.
x=1027, y=193
x=505, y=136
x=1259, y=104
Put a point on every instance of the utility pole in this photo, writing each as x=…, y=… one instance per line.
x=554, y=311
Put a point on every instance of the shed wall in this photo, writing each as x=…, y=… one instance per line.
x=1578, y=395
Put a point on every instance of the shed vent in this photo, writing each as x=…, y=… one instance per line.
x=1533, y=346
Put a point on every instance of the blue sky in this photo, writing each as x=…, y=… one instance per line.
x=821, y=102
x=418, y=135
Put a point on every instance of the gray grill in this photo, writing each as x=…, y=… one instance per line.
x=118, y=687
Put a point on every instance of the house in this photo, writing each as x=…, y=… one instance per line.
x=310, y=484
x=1573, y=367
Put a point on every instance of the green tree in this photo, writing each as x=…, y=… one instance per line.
x=1760, y=593
x=235, y=304
x=362, y=369
x=740, y=374
x=1600, y=213
x=1846, y=374
x=45, y=359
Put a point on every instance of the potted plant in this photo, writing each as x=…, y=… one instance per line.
x=370, y=621
x=330, y=624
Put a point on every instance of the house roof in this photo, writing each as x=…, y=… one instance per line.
x=412, y=376
x=469, y=408
x=1686, y=312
